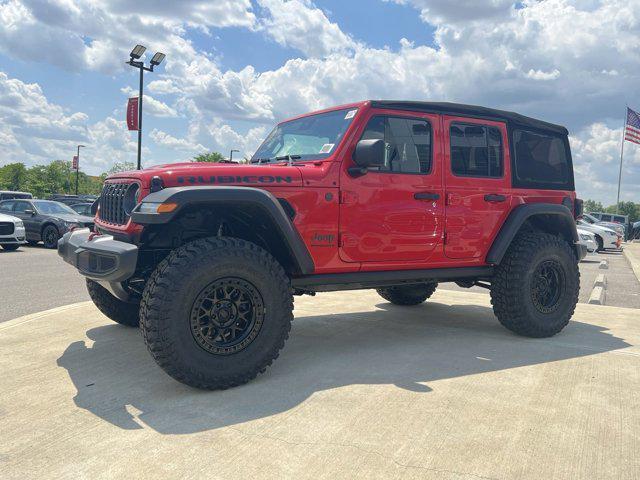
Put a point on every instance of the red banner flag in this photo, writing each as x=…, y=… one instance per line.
x=132, y=114
x=74, y=163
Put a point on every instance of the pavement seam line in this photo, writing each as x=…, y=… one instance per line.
x=35, y=316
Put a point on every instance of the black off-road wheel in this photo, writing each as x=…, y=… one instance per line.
x=10, y=247
x=216, y=312
x=50, y=236
x=535, y=289
x=124, y=313
x=408, y=294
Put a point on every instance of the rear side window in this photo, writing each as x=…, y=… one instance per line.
x=476, y=150
x=407, y=143
x=541, y=160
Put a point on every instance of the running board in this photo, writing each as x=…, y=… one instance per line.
x=331, y=282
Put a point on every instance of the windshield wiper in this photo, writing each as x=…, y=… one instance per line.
x=289, y=158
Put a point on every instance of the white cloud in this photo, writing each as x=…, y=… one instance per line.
x=299, y=24
x=165, y=140
x=151, y=105
x=460, y=11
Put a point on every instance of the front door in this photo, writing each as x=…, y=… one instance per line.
x=477, y=180
x=31, y=225
x=394, y=213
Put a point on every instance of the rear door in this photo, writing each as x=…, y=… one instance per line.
x=394, y=214
x=477, y=183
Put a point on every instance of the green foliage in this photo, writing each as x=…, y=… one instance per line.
x=593, y=206
x=121, y=167
x=44, y=180
x=211, y=157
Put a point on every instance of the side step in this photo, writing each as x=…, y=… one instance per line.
x=331, y=282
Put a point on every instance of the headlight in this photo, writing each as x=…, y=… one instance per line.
x=584, y=237
x=19, y=224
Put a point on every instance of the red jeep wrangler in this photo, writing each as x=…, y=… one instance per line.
x=388, y=195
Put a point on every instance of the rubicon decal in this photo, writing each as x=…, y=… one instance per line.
x=222, y=179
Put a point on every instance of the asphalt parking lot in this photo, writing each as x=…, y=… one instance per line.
x=40, y=280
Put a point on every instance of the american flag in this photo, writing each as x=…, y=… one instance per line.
x=632, y=128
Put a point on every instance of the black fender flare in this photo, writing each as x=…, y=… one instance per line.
x=189, y=196
x=518, y=216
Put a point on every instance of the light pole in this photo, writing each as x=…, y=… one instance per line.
x=78, y=166
x=135, y=61
x=231, y=155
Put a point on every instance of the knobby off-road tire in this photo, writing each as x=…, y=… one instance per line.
x=124, y=313
x=408, y=294
x=535, y=289
x=216, y=312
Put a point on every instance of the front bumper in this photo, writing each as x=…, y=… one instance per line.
x=98, y=257
x=17, y=237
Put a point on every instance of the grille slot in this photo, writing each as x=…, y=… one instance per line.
x=6, y=228
x=112, y=201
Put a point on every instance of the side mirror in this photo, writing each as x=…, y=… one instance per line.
x=369, y=153
x=29, y=212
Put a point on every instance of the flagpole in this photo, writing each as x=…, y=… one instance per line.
x=624, y=128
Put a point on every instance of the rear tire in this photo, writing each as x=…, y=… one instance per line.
x=10, y=247
x=124, y=313
x=535, y=288
x=408, y=294
x=216, y=312
x=50, y=236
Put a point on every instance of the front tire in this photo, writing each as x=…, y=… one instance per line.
x=10, y=247
x=408, y=294
x=124, y=313
x=535, y=288
x=216, y=312
x=600, y=244
x=50, y=236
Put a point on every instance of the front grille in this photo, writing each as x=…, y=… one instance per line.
x=6, y=228
x=112, y=203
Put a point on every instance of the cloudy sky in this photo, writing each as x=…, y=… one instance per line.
x=234, y=67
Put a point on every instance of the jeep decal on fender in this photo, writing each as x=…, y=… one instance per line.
x=234, y=179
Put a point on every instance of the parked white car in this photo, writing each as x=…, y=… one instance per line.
x=605, y=237
x=12, y=233
x=588, y=239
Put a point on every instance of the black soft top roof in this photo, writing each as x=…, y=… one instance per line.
x=515, y=119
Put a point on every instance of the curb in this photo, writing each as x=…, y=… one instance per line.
x=597, y=297
x=601, y=281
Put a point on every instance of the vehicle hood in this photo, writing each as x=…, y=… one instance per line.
x=69, y=217
x=8, y=218
x=209, y=174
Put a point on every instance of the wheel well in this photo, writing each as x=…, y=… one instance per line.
x=247, y=221
x=45, y=225
x=548, y=223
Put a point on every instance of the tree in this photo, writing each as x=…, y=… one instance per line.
x=592, y=206
x=211, y=157
x=13, y=176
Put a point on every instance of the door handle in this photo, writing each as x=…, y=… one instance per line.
x=426, y=196
x=492, y=197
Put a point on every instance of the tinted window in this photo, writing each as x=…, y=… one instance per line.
x=407, y=143
x=20, y=207
x=6, y=206
x=540, y=158
x=476, y=150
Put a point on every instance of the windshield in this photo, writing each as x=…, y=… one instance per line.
x=46, y=207
x=589, y=219
x=308, y=138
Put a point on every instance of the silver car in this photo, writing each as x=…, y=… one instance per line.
x=12, y=233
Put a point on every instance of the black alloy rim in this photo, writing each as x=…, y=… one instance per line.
x=547, y=286
x=227, y=316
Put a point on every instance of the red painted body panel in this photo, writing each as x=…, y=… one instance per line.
x=372, y=222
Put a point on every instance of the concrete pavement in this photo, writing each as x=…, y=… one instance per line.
x=363, y=389
x=632, y=252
